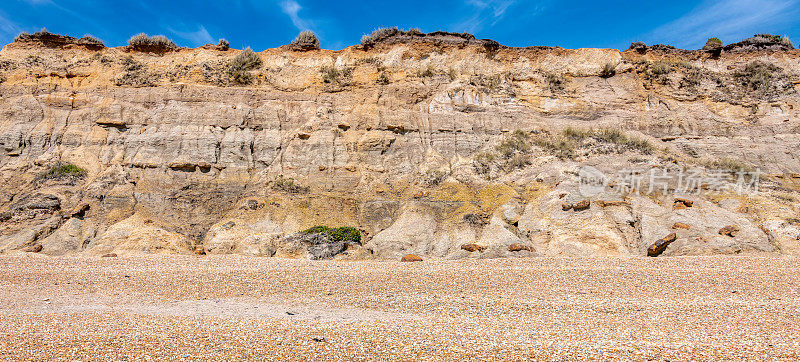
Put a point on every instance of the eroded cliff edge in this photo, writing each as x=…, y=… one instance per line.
x=423, y=143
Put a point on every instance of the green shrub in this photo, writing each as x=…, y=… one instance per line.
x=289, y=185
x=240, y=66
x=340, y=234
x=306, y=40
x=64, y=170
x=144, y=43
x=609, y=70
x=712, y=43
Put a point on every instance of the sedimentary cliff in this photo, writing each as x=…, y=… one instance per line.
x=425, y=143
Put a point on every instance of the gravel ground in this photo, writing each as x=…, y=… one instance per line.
x=189, y=308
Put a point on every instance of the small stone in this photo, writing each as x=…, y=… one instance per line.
x=566, y=206
x=605, y=204
x=410, y=258
x=681, y=203
x=582, y=205
x=473, y=247
x=420, y=194
x=680, y=225
x=519, y=247
x=303, y=135
x=32, y=248
x=109, y=255
x=730, y=230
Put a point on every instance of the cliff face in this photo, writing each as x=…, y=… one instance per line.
x=424, y=144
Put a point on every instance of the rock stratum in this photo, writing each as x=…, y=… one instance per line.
x=438, y=145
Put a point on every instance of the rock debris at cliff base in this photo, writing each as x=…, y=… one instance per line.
x=187, y=307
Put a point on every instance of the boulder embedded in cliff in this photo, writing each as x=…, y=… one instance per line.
x=729, y=230
x=410, y=258
x=661, y=244
x=473, y=248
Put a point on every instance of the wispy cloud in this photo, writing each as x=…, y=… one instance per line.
x=196, y=38
x=487, y=13
x=292, y=9
x=8, y=29
x=729, y=20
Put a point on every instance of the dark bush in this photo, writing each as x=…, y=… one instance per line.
x=223, y=45
x=306, y=40
x=153, y=44
x=609, y=70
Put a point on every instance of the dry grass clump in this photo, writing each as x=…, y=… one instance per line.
x=767, y=80
x=434, y=178
x=135, y=75
x=555, y=82
x=729, y=165
x=336, y=76
x=511, y=153
x=153, y=44
x=240, y=66
x=91, y=40
x=658, y=71
x=606, y=140
x=289, y=185
x=306, y=40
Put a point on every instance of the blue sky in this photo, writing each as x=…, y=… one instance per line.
x=267, y=24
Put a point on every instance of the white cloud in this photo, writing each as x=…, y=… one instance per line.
x=292, y=9
x=196, y=38
x=729, y=20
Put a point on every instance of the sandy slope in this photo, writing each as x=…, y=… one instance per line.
x=172, y=308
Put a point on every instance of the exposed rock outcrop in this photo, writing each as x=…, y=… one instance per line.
x=425, y=142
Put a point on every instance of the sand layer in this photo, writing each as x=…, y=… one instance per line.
x=170, y=307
